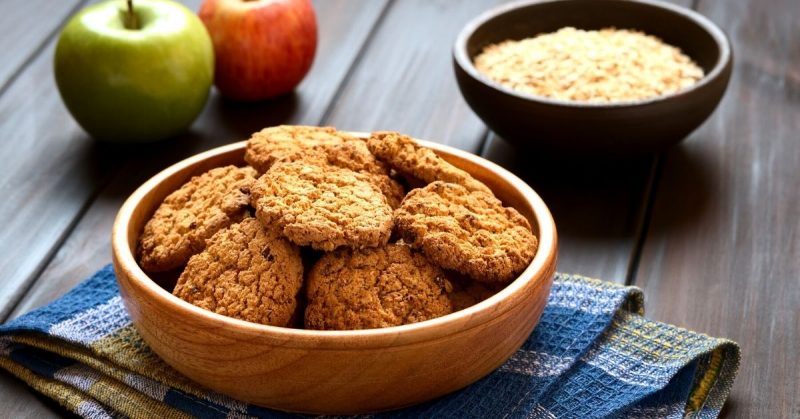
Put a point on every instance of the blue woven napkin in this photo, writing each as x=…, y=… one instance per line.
x=592, y=355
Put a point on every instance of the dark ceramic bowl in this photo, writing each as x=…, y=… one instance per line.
x=618, y=128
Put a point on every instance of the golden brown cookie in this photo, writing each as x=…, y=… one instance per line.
x=355, y=155
x=409, y=158
x=469, y=232
x=321, y=146
x=322, y=206
x=286, y=143
x=192, y=214
x=371, y=288
x=247, y=273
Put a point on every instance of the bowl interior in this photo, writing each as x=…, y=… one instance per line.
x=692, y=33
x=507, y=187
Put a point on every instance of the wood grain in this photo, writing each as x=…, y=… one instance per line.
x=722, y=254
x=404, y=79
x=25, y=27
x=50, y=170
x=49, y=164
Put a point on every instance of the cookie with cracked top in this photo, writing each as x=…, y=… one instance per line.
x=384, y=286
x=287, y=143
x=470, y=232
x=192, y=214
x=403, y=154
x=324, y=207
x=245, y=272
x=355, y=155
x=321, y=146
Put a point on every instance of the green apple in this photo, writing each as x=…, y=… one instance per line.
x=134, y=75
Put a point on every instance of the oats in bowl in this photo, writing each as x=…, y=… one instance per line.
x=609, y=65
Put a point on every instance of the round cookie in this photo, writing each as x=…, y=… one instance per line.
x=409, y=158
x=286, y=143
x=379, y=287
x=246, y=273
x=469, y=232
x=320, y=146
x=322, y=206
x=192, y=214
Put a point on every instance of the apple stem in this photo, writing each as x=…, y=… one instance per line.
x=131, y=20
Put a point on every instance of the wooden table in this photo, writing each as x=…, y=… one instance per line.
x=709, y=229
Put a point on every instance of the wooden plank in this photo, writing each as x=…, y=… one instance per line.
x=597, y=205
x=344, y=27
x=50, y=169
x=404, y=80
x=722, y=253
x=25, y=26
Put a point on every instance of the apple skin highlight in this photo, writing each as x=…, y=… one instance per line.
x=134, y=85
x=263, y=48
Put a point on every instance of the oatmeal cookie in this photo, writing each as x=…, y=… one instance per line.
x=192, y=214
x=407, y=157
x=287, y=143
x=322, y=206
x=469, y=232
x=355, y=155
x=378, y=287
x=247, y=273
x=321, y=146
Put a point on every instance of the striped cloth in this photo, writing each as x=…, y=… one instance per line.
x=592, y=355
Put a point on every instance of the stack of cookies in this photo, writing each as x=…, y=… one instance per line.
x=320, y=232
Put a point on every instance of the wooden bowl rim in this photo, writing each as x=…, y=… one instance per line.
x=540, y=269
x=721, y=39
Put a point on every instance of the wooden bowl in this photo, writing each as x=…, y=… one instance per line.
x=333, y=372
x=620, y=128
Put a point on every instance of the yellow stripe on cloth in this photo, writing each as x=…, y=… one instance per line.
x=108, y=389
x=65, y=395
x=130, y=402
x=701, y=391
x=126, y=349
x=657, y=342
x=117, y=356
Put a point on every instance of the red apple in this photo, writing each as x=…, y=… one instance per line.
x=262, y=48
